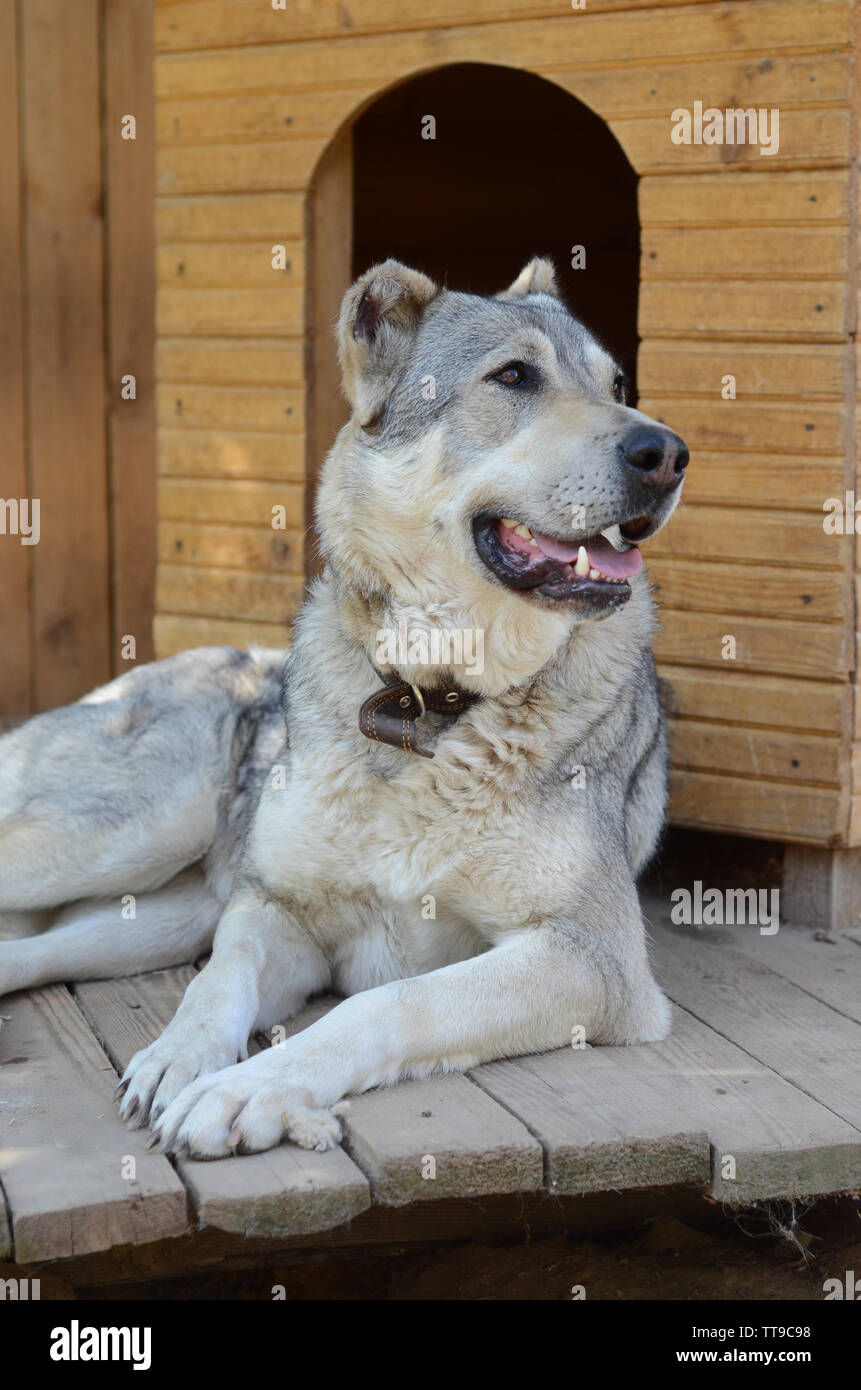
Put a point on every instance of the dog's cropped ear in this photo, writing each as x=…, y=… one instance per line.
x=538, y=277
x=380, y=314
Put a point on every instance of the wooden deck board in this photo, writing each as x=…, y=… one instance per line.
x=287, y=1191
x=761, y=1066
x=802, y=1039
x=63, y=1148
x=445, y=1137
x=829, y=969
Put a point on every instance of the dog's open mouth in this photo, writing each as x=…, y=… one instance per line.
x=591, y=569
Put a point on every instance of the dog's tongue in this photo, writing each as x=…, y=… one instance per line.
x=618, y=564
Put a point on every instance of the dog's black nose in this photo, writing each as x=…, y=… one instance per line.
x=657, y=453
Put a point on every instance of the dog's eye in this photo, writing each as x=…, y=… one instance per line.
x=512, y=374
x=619, y=388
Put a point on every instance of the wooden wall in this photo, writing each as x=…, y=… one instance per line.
x=76, y=313
x=745, y=266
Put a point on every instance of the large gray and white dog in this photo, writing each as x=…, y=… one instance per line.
x=471, y=888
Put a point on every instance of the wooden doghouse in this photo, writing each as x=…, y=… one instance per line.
x=305, y=128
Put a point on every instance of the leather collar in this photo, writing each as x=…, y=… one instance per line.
x=389, y=715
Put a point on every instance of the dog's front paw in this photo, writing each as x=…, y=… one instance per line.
x=157, y=1075
x=243, y=1110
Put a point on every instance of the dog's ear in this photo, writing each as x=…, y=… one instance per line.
x=379, y=316
x=538, y=277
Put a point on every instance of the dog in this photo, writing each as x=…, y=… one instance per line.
x=450, y=843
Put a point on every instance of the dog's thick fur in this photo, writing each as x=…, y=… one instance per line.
x=474, y=905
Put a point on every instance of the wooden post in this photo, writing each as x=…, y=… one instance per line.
x=329, y=230
x=821, y=887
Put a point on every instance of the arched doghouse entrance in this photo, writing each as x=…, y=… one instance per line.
x=516, y=167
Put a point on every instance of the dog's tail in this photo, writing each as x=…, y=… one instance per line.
x=119, y=793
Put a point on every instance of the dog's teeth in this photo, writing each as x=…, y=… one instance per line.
x=594, y=574
x=582, y=565
x=523, y=531
x=507, y=521
x=533, y=541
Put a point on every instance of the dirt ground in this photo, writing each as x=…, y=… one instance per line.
x=774, y=1254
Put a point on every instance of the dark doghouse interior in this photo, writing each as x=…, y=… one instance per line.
x=518, y=168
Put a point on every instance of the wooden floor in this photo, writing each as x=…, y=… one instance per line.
x=760, y=1078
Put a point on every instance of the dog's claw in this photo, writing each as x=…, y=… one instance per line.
x=121, y=1089
x=153, y=1141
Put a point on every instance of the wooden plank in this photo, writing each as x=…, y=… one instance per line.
x=330, y=256
x=627, y=1118
x=264, y=408
x=65, y=348
x=761, y=810
x=789, y=311
x=230, y=547
x=744, y=199
x=264, y=167
x=233, y=22
x=543, y=45
x=129, y=236
x=251, y=454
x=765, y=426
x=706, y=586
x=830, y=970
x=15, y=557
x=175, y=633
x=778, y=645
x=231, y=362
x=240, y=501
x=227, y=264
x=240, y=217
x=809, y=139
x=783, y=371
x=273, y=116
x=772, y=701
x=788, y=757
x=64, y=1149
x=723, y=533
x=215, y=312
x=805, y=1041
x=216, y=593
x=730, y=82
x=287, y=1191
x=427, y=1140
x=743, y=253
x=751, y=480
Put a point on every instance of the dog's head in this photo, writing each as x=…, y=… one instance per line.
x=491, y=470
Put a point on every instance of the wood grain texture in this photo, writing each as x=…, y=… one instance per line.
x=731, y=199
x=130, y=300
x=669, y=1112
x=783, y=1026
x=259, y=455
x=475, y=1145
x=773, y=701
x=762, y=810
x=15, y=558
x=226, y=362
x=796, y=372
x=233, y=22
x=286, y=1191
x=545, y=45
x=65, y=349
x=65, y=1150
x=175, y=633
